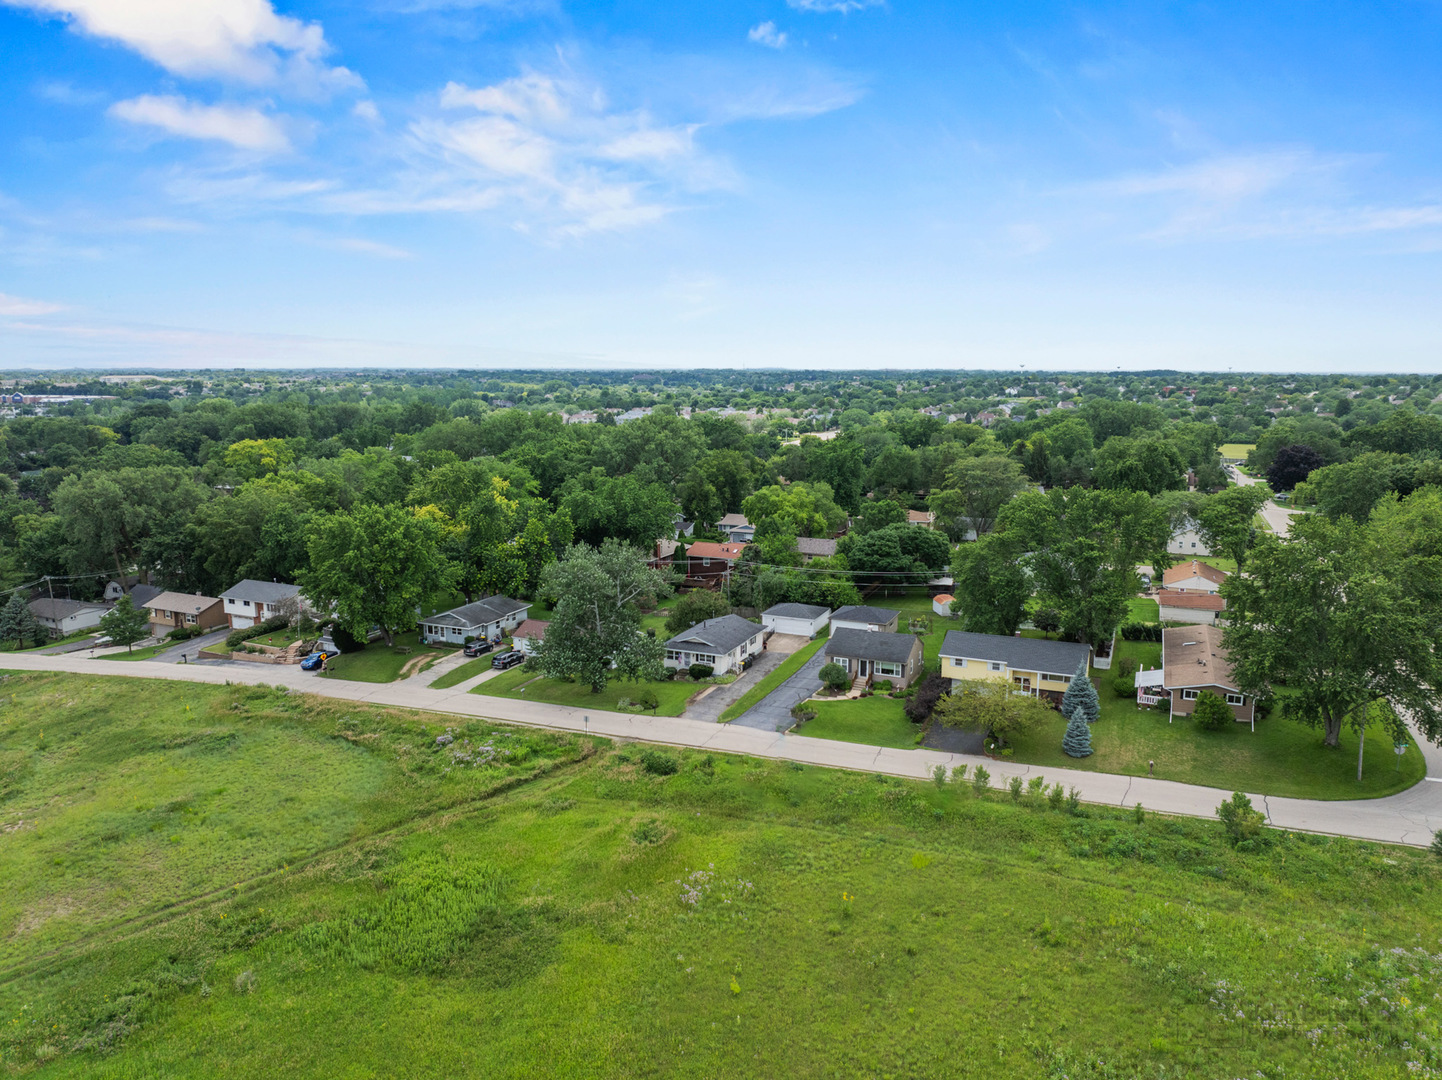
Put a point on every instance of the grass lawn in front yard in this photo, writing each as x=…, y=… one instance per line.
x=1281, y=758
x=279, y=639
x=379, y=662
x=469, y=670
x=1143, y=609
x=873, y=721
x=141, y=654
x=783, y=671
x=1221, y=562
x=79, y=635
x=522, y=685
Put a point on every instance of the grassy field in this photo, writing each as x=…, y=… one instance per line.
x=774, y=678
x=1280, y=758
x=268, y=885
x=523, y=685
x=469, y=670
x=379, y=662
x=1236, y=450
x=877, y=720
x=1140, y=609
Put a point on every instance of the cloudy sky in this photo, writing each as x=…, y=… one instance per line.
x=814, y=183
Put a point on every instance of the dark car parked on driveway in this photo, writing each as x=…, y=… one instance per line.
x=316, y=659
x=508, y=660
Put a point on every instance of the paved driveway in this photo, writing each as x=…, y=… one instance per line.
x=773, y=712
x=710, y=707
x=192, y=647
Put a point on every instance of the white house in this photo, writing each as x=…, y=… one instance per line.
x=1195, y=609
x=736, y=529
x=485, y=619
x=63, y=617
x=250, y=602
x=804, y=619
x=721, y=643
x=1188, y=541
x=873, y=619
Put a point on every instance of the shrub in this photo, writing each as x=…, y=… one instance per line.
x=694, y=607
x=648, y=700
x=1055, y=796
x=980, y=781
x=958, y=774
x=1138, y=814
x=1141, y=631
x=1124, y=686
x=1014, y=786
x=1211, y=712
x=1073, y=801
x=801, y=713
x=700, y=671
x=659, y=763
x=345, y=641
x=1437, y=843
x=938, y=776
x=920, y=704
x=882, y=685
x=1036, y=789
x=1242, y=821
x=276, y=622
x=1127, y=665
x=834, y=677
x=185, y=633
x=1264, y=707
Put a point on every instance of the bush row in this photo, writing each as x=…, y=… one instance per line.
x=237, y=637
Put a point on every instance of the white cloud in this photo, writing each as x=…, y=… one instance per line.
x=19, y=305
x=244, y=128
x=366, y=110
x=767, y=34
x=834, y=5
x=236, y=39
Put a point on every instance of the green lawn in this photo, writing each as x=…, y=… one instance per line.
x=79, y=635
x=783, y=671
x=523, y=685
x=379, y=662
x=1280, y=758
x=1141, y=609
x=1236, y=450
x=874, y=721
x=141, y=654
x=270, y=885
x=1221, y=562
x=280, y=638
x=469, y=670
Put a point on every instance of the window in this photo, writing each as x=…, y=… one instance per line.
x=997, y=665
x=961, y=663
x=1189, y=695
x=893, y=670
x=705, y=562
x=672, y=654
x=1236, y=699
x=245, y=603
x=190, y=620
x=842, y=662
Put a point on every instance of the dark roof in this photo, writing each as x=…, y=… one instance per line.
x=816, y=546
x=491, y=609
x=261, y=592
x=872, y=645
x=1025, y=653
x=797, y=611
x=140, y=595
x=720, y=634
x=865, y=614
x=45, y=608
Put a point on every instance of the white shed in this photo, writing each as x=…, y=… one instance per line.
x=806, y=620
x=941, y=604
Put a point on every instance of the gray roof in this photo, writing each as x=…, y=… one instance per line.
x=260, y=592
x=491, y=609
x=865, y=614
x=45, y=608
x=720, y=635
x=816, y=545
x=797, y=611
x=872, y=645
x=140, y=595
x=1025, y=653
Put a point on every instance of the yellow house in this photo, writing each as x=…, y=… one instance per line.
x=1033, y=665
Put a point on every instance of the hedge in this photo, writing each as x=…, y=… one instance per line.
x=237, y=637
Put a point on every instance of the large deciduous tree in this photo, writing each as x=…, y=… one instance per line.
x=898, y=554
x=1227, y=522
x=1150, y=463
x=991, y=705
x=128, y=518
x=976, y=490
x=1293, y=464
x=992, y=585
x=375, y=565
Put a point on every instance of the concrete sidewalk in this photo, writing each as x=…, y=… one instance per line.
x=1410, y=817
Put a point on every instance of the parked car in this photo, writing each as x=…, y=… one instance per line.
x=478, y=648
x=316, y=660
x=508, y=660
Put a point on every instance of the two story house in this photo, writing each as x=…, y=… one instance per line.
x=736, y=529
x=708, y=564
x=1033, y=666
x=250, y=602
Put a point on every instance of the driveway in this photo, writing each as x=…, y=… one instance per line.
x=710, y=707
x=773, y=712
x=191, y=648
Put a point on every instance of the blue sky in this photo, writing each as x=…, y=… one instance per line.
x=810, y=183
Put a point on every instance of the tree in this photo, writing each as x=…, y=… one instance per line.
x=877, y=514
x=1353, y=488
x=898, y=554
x=375, y=565
x=1242, y=821
x=1046, y=620
x=992, y=585
x=125, y=624
x=17, y=621
x=976, y=490
x=1151, y=464
x=619, y=507
x=1077, y=740
x=596, y=622
x=254, y=458
x=1341, y=615
x=1226, y=520
x=834, y=677
x=1291, y=465
x=694, y=607
x=991, y=705
x=1081, y=696
x=1211, y=713
x=126, y=517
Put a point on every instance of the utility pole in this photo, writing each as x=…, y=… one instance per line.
x=49, y=588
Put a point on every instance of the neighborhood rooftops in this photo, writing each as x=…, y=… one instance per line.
x=264, y=592
x=45, y=608
x=1193, y=656
x=865, y=645
x=796, y=611
x=141, y=595
x=1191, y=569
x=1022, y=653
x=707, y=549
x=180, y=601
x=861, y=614
x=816, y=546
x=733, y=521
x=1195, y=601
x=491, y=609
x=720, y=635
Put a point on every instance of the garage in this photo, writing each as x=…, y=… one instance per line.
x=805, y=620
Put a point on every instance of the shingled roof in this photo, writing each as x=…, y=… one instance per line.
x=1022, y=653
x=887, y=647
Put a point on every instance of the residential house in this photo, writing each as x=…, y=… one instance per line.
x=250, y=602
x=722, y=643
x=815, y=547
x=708, y=564
x=868, y=656
x=114, y=590
x=1193, y=576
x=941, y=603
x=1195, y=608
x=663, y=554
x=1034, y=666
x=140, y=595
x=736, y=529
x=870, y=619
x=925, y=518
x=529, y=634
x=1193, y=660
x=1187, y=541
x=483, y=620
x=170, y=610
x=807, y=620
x=64, y=617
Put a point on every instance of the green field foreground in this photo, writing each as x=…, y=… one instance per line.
x=237, y=881
x=523, y=685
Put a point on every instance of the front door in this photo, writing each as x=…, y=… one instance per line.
x=863, y=668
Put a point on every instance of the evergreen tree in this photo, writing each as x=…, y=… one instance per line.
x=1082, y=694
x=17, y=622
x=1077, y=742
x=125, y=624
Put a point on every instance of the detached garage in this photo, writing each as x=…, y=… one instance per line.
x=803, y=619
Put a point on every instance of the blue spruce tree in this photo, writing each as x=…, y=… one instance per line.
x=1077, y=742
x=1081, y=694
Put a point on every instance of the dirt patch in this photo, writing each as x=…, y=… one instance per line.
x=415, y=664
